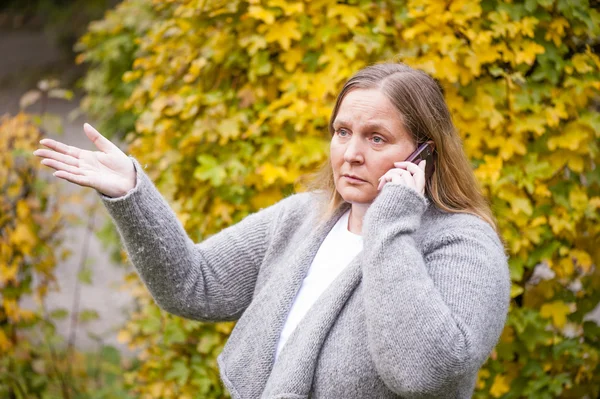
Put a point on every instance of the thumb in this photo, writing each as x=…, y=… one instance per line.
x=101, y=142
x=422, y=164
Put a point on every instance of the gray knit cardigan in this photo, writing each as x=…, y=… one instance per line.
x=414, y=315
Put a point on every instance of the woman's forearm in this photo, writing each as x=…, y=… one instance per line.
x=213, y=280
x=433, y=318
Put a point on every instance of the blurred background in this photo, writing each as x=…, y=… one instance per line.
x=226, y=104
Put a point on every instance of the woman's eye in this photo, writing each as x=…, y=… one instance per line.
x=377, y=140
x=343, y=133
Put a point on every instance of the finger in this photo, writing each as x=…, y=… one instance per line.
x=414, y=168
x=418, y=174
x=409, y=180
x=402, y=176
x=101, y=142
x=399, y=176
x=410, y=166
x=61, y=166
x=383, y=180
x=66, y=159
x=62, y=148
x=402, y=164
x=77, y=179
x=397, y=179
x=417, y=171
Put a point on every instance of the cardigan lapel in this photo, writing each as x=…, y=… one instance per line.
x=293, y=372
x=247, y=358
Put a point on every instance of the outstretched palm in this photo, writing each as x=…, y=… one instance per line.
x=109, y=171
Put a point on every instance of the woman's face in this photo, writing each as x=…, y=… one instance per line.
x=368, y=138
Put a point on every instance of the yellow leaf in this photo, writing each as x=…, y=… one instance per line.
x=594, y=203
x=5, y=343
x=12, y=309
x=583, y=259
x=124, y=336
x=131, y=76
x=157, y=388
x=527, y=52
x=282, y=33
x=578, y=199
x=508, y=335
x=262, y=14
x=555, y=114
x=24, y=238
x=464, y=11
x=531, y=123
x=571, y=137
x=229, y=129
x=515, y=291
x=26, y=315
x=291, y=58
x=564, y=267
x=350, y=15
x=489, y=171
x=8, y=273
x=500, y=386
x=415, y=30
x=576, y=163
x=288, y=7
x=223, y=210
x=556, y=30
x=528, y=25
x=557, y=311
x=270, y=173
x=266, y=198
x=483, y=375
x=521, y=204
x=580, y=63
x=547, y=366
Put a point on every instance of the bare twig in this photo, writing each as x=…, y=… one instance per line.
x=77, y=292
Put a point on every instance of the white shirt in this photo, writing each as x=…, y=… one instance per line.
x=335, y=253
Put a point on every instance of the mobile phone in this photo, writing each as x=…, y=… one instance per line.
x=424, y=152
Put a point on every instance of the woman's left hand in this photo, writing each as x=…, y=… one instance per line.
x=406, y=173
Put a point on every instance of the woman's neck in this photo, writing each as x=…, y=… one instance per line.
x=355, y=219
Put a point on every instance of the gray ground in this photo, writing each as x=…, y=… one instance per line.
x=33, y=51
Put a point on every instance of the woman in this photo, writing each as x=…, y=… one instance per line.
x=380, y=285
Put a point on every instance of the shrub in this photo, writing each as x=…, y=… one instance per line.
x=231, y=101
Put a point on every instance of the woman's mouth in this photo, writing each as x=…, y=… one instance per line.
x=353, y=179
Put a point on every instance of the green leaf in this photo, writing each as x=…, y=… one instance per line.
x=210, y=170
x=173, y=334
x=591, y=331
x=87, y=315
x=85, y=275
x=111, y=355
x=59, y=314
x=179, y=371
x=151, y=324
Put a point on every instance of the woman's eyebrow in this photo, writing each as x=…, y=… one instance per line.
x=338, y=122
x=377, y=127
x=369, y=126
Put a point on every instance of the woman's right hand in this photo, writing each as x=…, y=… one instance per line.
x=110, y=171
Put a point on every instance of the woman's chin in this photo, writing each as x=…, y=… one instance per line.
x=355, y=196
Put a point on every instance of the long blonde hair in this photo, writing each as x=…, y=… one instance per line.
x=452, y=187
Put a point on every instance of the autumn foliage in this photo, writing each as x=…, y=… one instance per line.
x=227, y=103
x=30, y=227
x=35, y=359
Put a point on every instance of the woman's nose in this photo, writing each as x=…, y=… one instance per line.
x=354, y=152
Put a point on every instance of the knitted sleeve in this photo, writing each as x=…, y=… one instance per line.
x=213, y=280
x=433, y=317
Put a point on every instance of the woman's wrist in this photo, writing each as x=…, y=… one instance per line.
x=396, y=204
